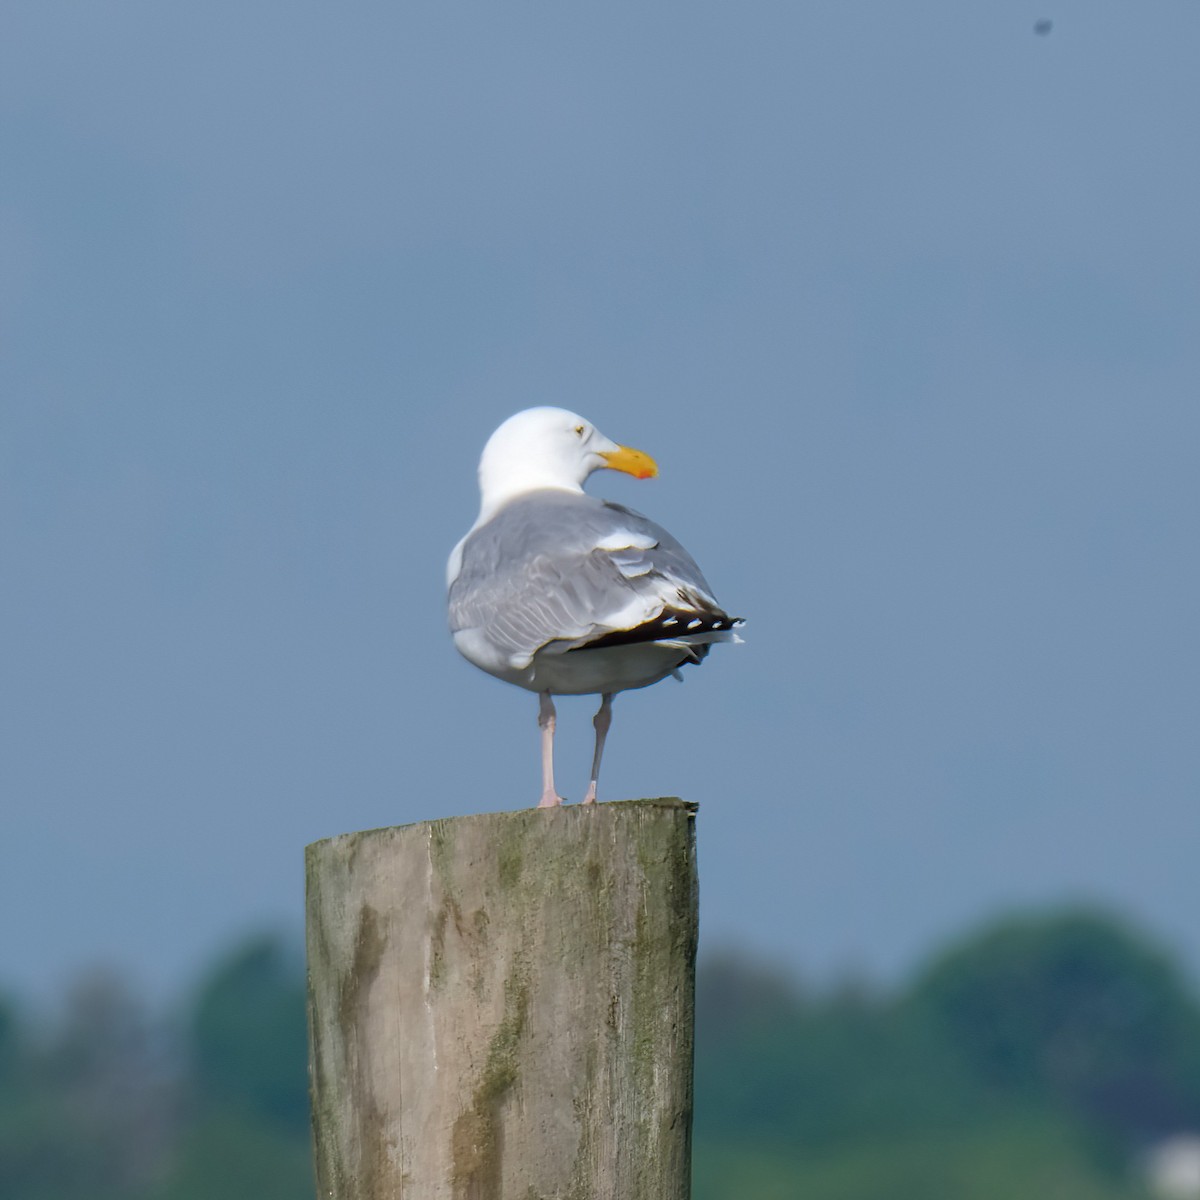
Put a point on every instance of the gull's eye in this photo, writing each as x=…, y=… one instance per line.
x=580, y=430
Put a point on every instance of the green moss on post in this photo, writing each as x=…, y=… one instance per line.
x=500, y=1006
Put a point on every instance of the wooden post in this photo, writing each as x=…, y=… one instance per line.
x=500, y=1006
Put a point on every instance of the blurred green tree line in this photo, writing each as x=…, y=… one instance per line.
x=1039, y=1057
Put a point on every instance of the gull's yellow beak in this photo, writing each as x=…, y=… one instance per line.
x=632, y=462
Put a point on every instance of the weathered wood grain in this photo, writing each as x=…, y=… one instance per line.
x=500, y=1006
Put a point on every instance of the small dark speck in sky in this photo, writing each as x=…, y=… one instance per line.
x=1043, y=26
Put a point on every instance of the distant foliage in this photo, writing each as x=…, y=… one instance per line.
x=249, y=1036
x=87, y=1112
x=111, y=1105
x=1035, y=1058
x=9, y=1044
x=1077, y=1011
x=247, y=1134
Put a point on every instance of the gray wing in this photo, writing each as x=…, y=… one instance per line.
x=556, y=566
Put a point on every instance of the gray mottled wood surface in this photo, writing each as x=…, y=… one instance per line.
x=500, y=1006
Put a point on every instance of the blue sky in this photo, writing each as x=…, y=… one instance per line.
x=904, y=299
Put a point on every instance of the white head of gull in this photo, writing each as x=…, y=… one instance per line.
x=562, y=593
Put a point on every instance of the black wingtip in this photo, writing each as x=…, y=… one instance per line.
x=670, y=623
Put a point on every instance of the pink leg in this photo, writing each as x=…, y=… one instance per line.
x=602, y=721
x=546, y=717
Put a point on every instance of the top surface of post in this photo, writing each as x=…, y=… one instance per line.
x=669, y=802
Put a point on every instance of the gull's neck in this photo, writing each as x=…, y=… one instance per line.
x=495, y=494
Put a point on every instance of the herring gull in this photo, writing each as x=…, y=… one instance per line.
x=562, y=593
